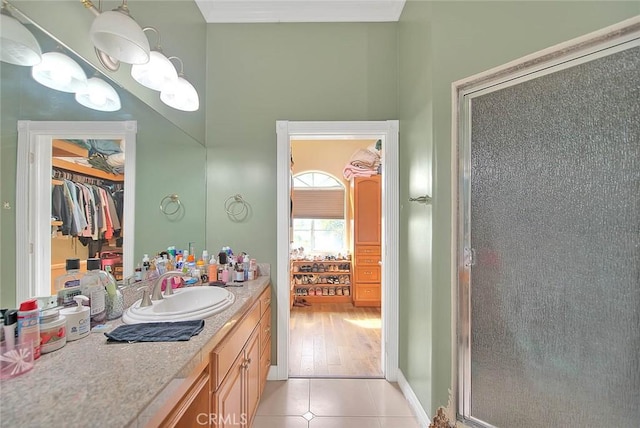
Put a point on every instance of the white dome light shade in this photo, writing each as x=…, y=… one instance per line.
x=17, y=44
x=155, y=74
x=180, y=95
x=99, y=95
x=58, y=71
x=119, y=36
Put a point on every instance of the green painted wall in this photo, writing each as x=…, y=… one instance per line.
x=441, y=42
x=259, y=73
x=169, y=160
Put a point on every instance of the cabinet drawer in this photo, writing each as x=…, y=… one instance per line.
x=367, y=273
x=265, y=300
x=368, y=292
x=367, y=249
x=223, y=356
x=265, y=329
x=368, y=260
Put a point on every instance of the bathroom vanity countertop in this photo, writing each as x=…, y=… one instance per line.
x=92, y=383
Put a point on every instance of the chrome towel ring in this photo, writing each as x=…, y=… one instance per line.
x=170, y=205
x=236, y=207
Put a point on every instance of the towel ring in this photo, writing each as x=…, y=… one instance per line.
x=235, y=206
x=169, y=200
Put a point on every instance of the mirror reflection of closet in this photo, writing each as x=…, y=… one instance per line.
x=46, y=157
x=94, y=170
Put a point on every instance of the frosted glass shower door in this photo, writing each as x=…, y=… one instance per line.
x=551, y=247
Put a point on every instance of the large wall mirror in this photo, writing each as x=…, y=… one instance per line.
x=40, y=255
x=161, y=159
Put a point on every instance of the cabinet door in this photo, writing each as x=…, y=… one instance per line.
x=251, y=367
x=228, y=400
x=367, y=206
x=196, y=412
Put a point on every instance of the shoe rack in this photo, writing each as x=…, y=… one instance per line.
x=326, y=281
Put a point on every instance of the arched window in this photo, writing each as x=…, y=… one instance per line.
x=318, y=213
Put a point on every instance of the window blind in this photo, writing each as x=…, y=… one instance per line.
x=318, y=203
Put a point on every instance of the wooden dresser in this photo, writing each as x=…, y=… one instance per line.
x=367, y=204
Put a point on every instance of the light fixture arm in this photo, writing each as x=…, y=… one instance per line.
x=89, y=5
x=181, y=73
x=155, y=30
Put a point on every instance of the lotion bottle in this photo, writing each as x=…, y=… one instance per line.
x=78, y=319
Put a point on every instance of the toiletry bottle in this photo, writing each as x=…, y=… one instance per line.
x=225, y=274
x=213, y=269
x=246, y=261
x=115, y=300
x=239, y=273
x=92, y=285
x=29, y=325
x=10, y=328
x=78, y=319
x=145, y=265
x=138, y=273
x=68, y=284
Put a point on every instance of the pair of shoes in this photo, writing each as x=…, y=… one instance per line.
x=315, y=267
x=332, y=291
x=296, y=268
x=321, y=268
x=345, y=291
x=339, y=291
x=318, y=291
x=312, y=291
x=325, y=291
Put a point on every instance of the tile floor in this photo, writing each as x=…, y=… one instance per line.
x=333, y=403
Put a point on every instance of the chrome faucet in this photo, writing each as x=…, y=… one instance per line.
x=156, y=290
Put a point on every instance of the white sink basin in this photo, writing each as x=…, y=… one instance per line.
x=191, y=303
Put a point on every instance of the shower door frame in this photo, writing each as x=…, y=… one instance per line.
x=598, y=44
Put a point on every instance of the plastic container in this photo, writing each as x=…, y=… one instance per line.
x=93, y=285
x=78, y=319
x=29, y=325
x=15, y=360
x=53, y=331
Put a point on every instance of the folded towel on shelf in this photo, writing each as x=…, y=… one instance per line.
x=351, y=171
x=364, y=158
x=156, y=331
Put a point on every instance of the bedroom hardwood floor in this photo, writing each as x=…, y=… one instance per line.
x=334, y=340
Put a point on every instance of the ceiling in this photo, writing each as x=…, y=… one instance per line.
x=254, y=11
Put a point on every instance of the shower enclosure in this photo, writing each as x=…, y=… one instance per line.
x=549, y=238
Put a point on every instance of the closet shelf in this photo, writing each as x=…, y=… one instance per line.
x=71, y=166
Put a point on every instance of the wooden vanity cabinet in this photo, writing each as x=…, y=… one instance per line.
x=193, y=408
x=237, y=371
x=225, y=390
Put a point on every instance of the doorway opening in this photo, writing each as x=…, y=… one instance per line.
x=335, y=324
x=289, y=292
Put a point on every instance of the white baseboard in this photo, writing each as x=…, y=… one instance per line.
x=273, y=374
x=414, y=403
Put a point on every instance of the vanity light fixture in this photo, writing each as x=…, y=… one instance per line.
x=58, y=71
x=156, y=73
x=116, y=34
x=180, y=94
x=98, y=95
x=17, y=44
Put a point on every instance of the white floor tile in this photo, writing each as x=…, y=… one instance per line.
x=285, y=398
x=343, y=422
x=280, y=422
x=340, y=397
x=398, y=422
x=388, y=398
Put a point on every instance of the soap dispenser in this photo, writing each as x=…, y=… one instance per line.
x=77, y=319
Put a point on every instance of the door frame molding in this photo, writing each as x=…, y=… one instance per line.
x=388, y=132
x=563, y=55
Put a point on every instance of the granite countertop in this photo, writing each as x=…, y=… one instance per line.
x=92, y=383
